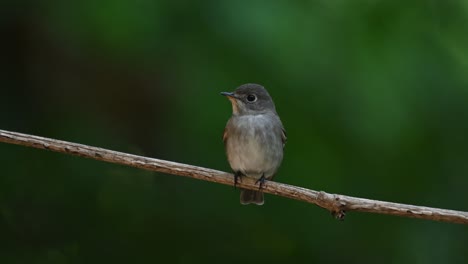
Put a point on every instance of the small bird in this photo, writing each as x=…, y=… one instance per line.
x=254, y=138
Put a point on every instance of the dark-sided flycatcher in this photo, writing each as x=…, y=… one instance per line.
x=254, y=138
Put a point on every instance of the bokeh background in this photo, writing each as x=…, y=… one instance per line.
x=373, y=94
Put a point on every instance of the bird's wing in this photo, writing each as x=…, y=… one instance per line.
x=225, y=135
x=284, y=138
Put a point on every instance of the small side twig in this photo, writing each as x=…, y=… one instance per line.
x=335, y=203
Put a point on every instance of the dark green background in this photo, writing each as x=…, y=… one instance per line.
x=373, y=94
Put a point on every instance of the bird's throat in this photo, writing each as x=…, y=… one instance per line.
x=235, y=106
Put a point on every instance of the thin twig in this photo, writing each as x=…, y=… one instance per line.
x=335, y=203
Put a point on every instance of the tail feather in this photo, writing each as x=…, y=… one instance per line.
x=251, y=197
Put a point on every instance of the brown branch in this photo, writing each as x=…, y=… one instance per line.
x=335, y=203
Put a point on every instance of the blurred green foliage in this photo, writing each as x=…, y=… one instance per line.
x=373, y=94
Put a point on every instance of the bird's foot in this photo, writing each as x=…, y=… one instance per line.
x=237, y=178
x=261, y=182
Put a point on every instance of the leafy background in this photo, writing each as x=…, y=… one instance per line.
x=373, y=94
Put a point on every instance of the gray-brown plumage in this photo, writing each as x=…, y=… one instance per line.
x=254, y=137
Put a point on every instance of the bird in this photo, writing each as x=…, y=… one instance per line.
x=254, y=138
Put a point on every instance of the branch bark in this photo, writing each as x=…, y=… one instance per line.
x=335, y=203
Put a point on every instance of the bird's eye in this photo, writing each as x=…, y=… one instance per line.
x=251, y=98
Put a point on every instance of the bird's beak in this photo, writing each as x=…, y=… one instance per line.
x=228, y=94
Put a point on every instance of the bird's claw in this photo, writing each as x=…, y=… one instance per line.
x=237, y=178
x=261, y=182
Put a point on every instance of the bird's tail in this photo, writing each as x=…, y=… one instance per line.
x=251, y=197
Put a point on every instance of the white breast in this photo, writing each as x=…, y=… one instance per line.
x=255, y=147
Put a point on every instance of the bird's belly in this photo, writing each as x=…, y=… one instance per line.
x=253, y=157
x=251, y=161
